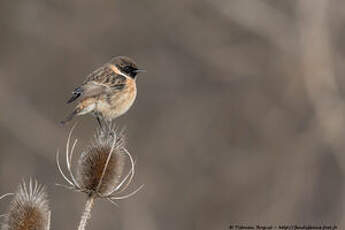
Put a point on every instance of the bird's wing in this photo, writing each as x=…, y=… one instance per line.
x=105, y=77
x=102, y=81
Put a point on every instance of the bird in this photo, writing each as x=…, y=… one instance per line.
x=108, y=92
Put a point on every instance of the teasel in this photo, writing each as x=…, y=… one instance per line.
x=29, y=209
x=99, y=169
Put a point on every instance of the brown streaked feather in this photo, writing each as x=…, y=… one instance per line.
x=105, y=75
x=99, y=74
x=104, y=80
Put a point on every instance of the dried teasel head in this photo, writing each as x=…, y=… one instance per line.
x=29, y=209
x=101, y=166
x=99, y=170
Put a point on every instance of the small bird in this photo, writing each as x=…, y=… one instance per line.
x=108, y=92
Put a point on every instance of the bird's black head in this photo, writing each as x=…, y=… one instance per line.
x=126, y=65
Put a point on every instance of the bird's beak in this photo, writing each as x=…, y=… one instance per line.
x=139, y=71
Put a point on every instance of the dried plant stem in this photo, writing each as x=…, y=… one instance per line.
x=87, y=212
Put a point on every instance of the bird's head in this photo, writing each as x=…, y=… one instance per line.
x=126, y=65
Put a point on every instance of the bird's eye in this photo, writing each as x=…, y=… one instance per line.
x=127, y=69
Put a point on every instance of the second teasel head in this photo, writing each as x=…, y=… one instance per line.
x=29, y=209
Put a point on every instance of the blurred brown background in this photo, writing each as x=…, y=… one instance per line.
x=240, y=118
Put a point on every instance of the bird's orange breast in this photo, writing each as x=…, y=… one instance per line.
x=118, y=103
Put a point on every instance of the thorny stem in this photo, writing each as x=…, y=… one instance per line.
x=87, y=212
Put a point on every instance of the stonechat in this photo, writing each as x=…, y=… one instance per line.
x=108, y=92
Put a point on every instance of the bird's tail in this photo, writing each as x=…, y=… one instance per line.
x=69, y=117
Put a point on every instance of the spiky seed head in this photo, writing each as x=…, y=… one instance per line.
x=101, y=166
x=29, y=209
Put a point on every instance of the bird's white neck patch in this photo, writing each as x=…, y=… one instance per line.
x=116, y=70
